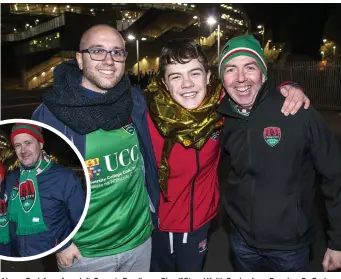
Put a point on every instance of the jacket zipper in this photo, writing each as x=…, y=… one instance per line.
x=298, y=204
x=192, y=190
x=252, y=185
x=251, y=213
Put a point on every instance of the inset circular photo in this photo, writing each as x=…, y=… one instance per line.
x=44, y=192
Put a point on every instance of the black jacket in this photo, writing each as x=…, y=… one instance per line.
x=269, y=193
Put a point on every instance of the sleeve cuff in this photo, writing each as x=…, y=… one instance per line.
x=334, y=246
x=291, y=83
x=64, y=247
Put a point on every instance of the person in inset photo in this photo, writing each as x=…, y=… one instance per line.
x=5, y=248
x=43, y=201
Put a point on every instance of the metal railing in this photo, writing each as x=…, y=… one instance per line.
x=43, y=75
x=67, y=54
x=321, y=81
x=41, y=28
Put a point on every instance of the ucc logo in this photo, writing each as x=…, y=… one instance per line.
x=123, y=158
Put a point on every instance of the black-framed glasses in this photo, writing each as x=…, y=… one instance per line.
x=99, y=54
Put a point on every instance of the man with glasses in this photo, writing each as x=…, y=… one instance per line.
x=93, y=104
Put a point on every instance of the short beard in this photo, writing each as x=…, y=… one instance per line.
x=92, y=78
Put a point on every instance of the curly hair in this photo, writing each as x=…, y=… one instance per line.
x=182, y=50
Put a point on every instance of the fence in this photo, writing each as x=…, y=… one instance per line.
x=321, y=81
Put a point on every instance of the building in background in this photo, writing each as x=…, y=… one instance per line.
x=37, y=37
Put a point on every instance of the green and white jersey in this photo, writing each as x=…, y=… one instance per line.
x=118, y=218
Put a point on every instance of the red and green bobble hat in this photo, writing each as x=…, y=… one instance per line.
x=244, y=45
x=25, y=128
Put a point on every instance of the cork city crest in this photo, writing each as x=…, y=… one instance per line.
x=202, y=246
x=129, y=128
x=27, y=195
x=215, y=135
x=272, y=135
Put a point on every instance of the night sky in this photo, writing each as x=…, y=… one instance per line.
x=304, y=25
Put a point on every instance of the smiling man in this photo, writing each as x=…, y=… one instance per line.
x=99, y=76
x=93, y=104
x=244, y=92
x=45, y=201
x=269, y=192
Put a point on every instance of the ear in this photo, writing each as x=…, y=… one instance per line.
x=164, y=83
x=41, y=145
x=79, y=59
x=208, y=77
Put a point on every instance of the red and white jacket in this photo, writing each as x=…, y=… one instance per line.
x=192, y=184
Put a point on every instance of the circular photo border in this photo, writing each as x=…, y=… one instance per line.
x=88, y=188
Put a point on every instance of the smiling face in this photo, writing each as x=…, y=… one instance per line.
x=187, y=83
x=100, y=76
x=242, y=80
x=28, y=149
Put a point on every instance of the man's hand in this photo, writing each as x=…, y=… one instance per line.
x=294, y=99
x=66, y=256
x=331, y=260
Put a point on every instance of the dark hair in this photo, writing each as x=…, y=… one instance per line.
x=182, y=50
